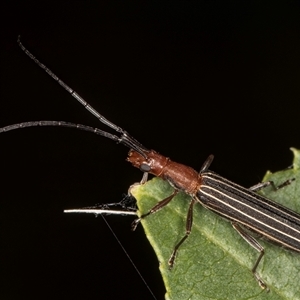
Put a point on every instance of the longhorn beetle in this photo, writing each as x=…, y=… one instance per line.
x=243, y=207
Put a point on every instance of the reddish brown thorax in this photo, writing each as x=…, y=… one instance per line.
x=178, y=175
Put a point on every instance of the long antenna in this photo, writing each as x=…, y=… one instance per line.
x=62, y=124
x=124, y=139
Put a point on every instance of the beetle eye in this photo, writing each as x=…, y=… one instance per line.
x=145, y=167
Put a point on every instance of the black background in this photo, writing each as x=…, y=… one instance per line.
x=185, y=78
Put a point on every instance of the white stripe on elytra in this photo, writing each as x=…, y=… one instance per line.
x=247, y=215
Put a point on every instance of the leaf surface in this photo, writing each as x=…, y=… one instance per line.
x=215, y=262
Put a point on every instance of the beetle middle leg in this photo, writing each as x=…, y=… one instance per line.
x=188, y=229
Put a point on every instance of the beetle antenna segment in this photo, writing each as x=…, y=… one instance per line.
x=125, y=138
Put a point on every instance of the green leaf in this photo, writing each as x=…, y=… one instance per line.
x=215, y=262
